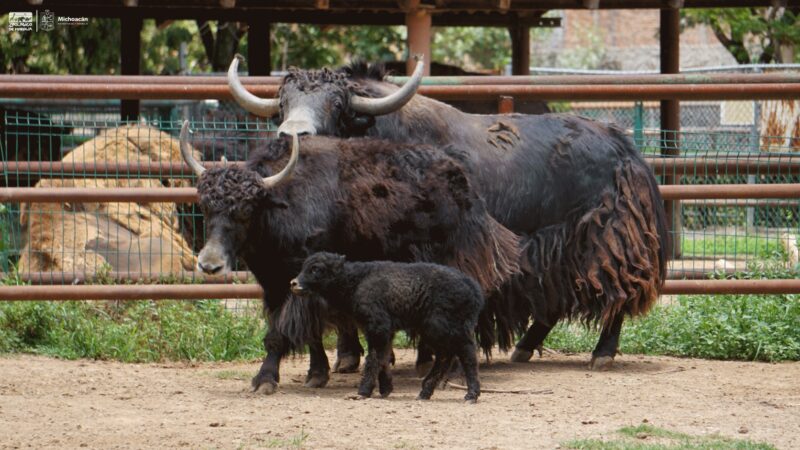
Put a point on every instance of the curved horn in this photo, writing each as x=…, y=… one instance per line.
x=394, y=101
x=283, y=175
x=186, y=151
x=248, y=101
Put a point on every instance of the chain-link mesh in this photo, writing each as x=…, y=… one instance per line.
x=159, y=241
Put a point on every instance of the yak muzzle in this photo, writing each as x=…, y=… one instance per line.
x=296, y=288
x=212, y=260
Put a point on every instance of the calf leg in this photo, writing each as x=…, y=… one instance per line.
x=440, y=366
x=385, y=385
x=348, y=349
x=532, y=340
x=267, y=378
x=379, y=346
x=469, y=362
x=607, y=345
x=319, y=372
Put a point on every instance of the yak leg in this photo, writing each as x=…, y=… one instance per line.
x=440, y=367
x=385, y=384
x=348, y=349
x=424, y=359
x=606, y=349
x=532, y=340
x=267, y=378
x=319, y=372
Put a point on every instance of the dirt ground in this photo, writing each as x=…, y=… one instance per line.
x=71, y=404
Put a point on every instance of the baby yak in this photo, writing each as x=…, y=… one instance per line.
x=437, y=303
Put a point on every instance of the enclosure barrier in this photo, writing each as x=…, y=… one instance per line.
x=634, y=87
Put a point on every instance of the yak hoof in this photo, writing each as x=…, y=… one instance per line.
x=423, y=368
x=470, y=400
x=521, y=355
x=267, y=387
x=356, y=397
x=316, y=380
x=600, y=363
x=346, y=364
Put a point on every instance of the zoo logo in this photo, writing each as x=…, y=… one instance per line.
x=20, y=21
x=47, y=20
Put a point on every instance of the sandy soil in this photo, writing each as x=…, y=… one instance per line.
x=71, y=404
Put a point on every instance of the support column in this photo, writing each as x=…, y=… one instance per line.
x=671, y=116
x=130, y=55
x=520, y=49
x=418, y=24
x=258, y=48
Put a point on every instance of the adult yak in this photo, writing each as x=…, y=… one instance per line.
x=577, y=189
x=369, y=199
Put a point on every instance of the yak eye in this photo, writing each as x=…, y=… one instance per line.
x=337, y=104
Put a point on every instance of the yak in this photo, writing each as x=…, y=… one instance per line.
x=437, y=303
x=579, y=192
x=368, y=199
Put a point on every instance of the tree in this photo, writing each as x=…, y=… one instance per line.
x=753, y=35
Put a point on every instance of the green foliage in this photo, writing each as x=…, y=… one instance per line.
x=91, y=49
x=472, y=48
x=752, y=35
x=130, y=332
x=161, y=48
x=739, y=327
x=648, y=437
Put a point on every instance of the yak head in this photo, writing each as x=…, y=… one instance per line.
x=232, y=199
x=326, y=102
x=319, y=272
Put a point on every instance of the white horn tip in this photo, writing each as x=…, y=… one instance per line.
x=238, y=57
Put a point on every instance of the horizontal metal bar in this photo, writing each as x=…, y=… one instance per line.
x=189, y=195
x=213, y=291
x=131, y=292
x=731, y=191
x=66, y=278
x=532, y=80
x=753, y=165
x=542, y=92
x=62, y=195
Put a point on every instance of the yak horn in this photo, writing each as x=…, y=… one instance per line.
x=394, y=101
x=186, y=151
x=251, y=103
x=283, y=175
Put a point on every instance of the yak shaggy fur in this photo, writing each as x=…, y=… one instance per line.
x=437, y=303
x=88, y=237
x=368, y=199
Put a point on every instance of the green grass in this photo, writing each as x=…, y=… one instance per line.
x=739, y=327
x=142, y=331
x=647, y=437
x=732, y=246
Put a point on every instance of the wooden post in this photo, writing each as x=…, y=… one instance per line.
x=130, y=55
x=418, y=23
x=258, y=48
x=505, y=104
x=671, y=116
x=520, y=49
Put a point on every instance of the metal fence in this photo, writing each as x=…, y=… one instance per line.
x=65, y=242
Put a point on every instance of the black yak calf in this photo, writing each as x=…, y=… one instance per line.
x=437, y=303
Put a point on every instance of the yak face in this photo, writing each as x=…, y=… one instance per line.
x=317, y=102
x=229, y=200
x=319, y=272
x=340, y=103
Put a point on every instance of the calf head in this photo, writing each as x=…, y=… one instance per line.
x=318, y=273
x=325, y=102
x=232, y=199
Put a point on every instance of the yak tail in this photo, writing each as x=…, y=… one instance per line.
x=609, y=260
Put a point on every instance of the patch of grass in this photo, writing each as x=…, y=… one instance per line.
x=740, y=327
x=295, y=441
x=142, y=331
x=732, y=246
x=648, y=437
